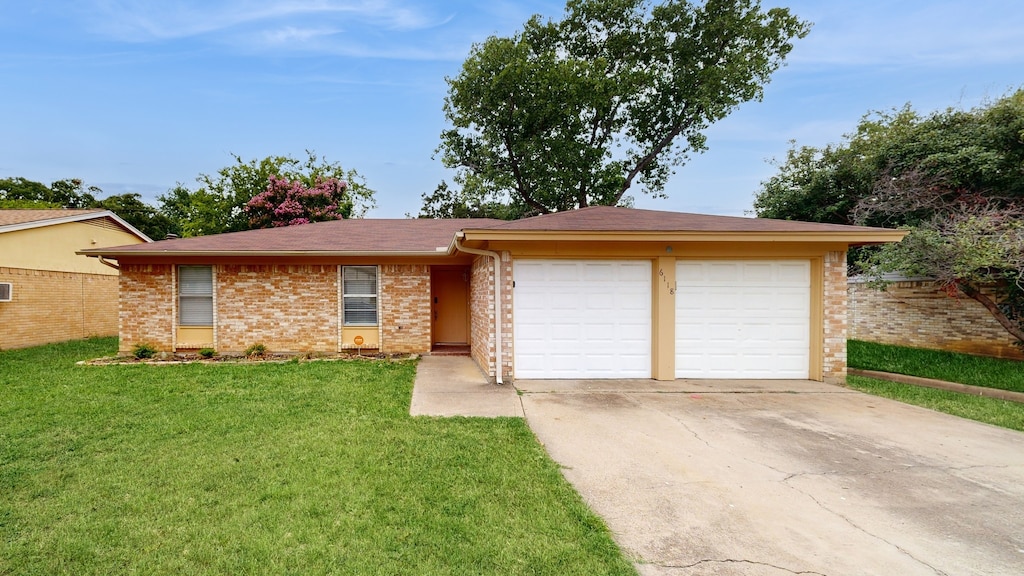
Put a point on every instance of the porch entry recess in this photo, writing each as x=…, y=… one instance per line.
x=449, y=302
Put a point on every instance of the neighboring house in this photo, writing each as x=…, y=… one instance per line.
x=915, y=312
x=600, y=292
x=47, y=293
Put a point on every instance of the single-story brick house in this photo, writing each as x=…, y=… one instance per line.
x=600, y=292
x=47, y=293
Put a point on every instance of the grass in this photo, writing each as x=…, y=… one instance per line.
x=938, y=364
x=980, y=408
x=941, y=365
x=295, y=468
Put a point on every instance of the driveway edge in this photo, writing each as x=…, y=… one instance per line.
x=940, y=385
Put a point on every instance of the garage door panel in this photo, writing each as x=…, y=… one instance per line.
x=743, y=319
x=584, y=319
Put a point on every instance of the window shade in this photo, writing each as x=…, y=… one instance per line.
x=360, y=280
x=360, y=295
x=195, y=280
x=195, y=295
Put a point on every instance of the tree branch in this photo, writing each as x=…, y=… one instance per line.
x=974, y=293
x=665, y=142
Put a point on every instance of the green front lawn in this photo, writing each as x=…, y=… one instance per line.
x=300, y=468
x=937, y=364
x=980, y=408
x=949, y=366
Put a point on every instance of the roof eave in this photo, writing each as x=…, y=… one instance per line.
x=95, y=252
x=868, y=236
x=76, y=218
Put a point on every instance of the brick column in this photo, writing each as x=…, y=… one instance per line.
x=835, y=318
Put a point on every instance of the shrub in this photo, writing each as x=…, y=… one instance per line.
x=143, y=350
x=256, y=350
x=207, y=353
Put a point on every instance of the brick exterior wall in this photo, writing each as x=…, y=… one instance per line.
x=506, y=314
x=405, y=310
x=148, y=306
x=50, y=306
x=835, y=318
x=915, y=313
x=481, y=312
x=287, y=308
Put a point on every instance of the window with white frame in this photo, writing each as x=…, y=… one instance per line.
x=6, y=292
x=359, y=294
x=195, y=295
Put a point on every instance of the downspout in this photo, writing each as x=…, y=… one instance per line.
x=498, y=350
x=111, y=264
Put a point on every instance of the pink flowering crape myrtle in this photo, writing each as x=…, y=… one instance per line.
x=290, y=203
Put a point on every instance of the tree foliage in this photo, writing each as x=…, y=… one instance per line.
x=467, y=202
x=980, y=150
x=67, y=193
x=576, y=112
x=290, y=203
x=218, y=204
x=21, y=193
x=142, y=216
x=954, y=178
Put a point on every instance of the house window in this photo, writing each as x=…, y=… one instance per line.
x=195, y=295
x=359, y=294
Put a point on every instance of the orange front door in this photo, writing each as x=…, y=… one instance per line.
x=450, y=296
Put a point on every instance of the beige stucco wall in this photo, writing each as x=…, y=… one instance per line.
x=53, y=247
x=915, y=313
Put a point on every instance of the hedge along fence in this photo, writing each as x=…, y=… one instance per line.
x=914, y=312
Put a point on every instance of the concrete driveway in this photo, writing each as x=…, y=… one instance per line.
x=769, y=478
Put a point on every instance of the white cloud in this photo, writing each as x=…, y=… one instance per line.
x=138, y=21
x=291, y=34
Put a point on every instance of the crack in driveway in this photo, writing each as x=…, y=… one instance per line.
x=734, y=561
x=864, y=531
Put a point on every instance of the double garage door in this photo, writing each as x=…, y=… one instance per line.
x=592, y=319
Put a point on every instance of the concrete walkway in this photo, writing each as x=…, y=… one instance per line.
x=455, y=386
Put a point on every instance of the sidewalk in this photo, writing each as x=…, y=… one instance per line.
x=455, y=386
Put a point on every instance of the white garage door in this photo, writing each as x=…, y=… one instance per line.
x=743, y=319
x=582, y=319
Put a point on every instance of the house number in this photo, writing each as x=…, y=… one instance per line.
x=671, y=287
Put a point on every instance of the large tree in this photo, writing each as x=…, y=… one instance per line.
x=67, y=193
x=218, y=203
x=618, y=93
x=954, y=178
x=73, y=193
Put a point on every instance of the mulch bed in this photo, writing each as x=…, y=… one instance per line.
x=166, y=358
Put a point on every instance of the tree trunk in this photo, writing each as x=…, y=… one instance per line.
x=975, y=293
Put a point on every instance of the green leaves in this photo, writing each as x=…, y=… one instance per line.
x=572, y=113
x=217, y=205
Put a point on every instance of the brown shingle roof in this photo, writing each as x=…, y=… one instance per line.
x=340, y=236
x=9, y=217
x=615, y=219
x=423, y=236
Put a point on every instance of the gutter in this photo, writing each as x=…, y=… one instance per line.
x=108, y=263
x=94, y=252
x=498, y=349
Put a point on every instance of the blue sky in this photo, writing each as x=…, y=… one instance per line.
x=135, y=96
